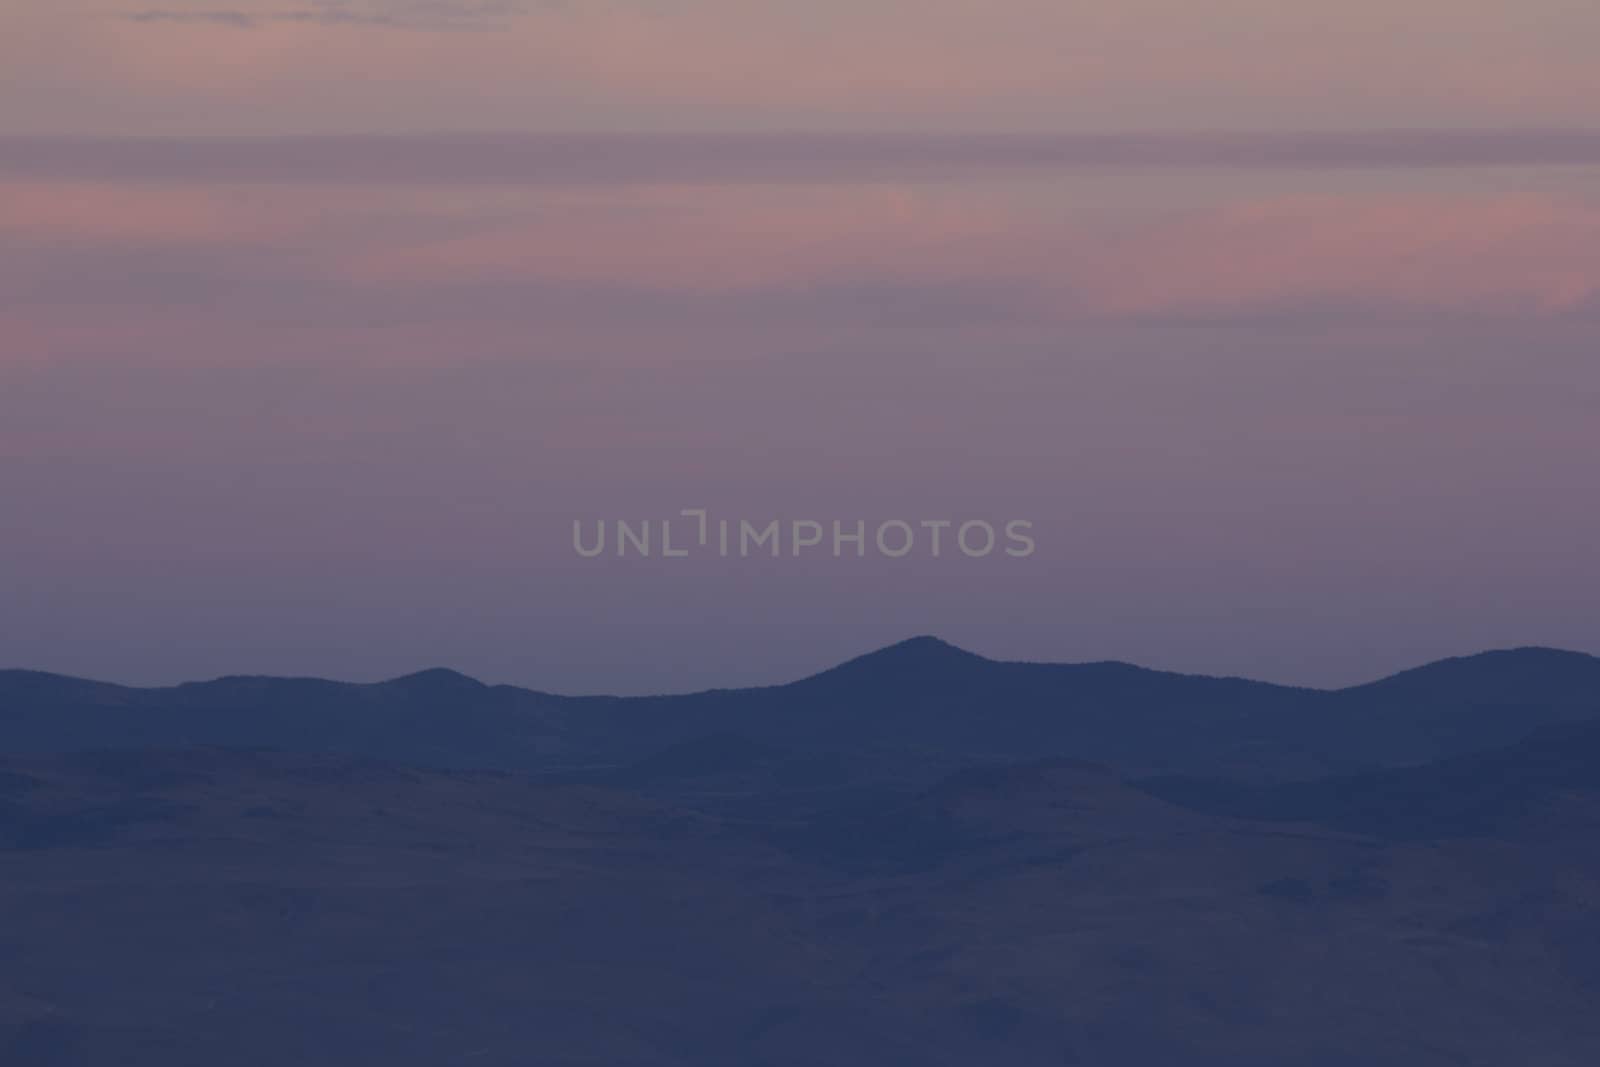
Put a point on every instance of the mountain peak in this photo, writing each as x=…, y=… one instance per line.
x=914, y=658
x=436, y=680
x=913, y=651
x=927, y=643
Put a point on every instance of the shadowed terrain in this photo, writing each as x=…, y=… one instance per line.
x=209, y=906
x=801, y=875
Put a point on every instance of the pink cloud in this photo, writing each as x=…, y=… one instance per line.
x=719, y=238
x=407, y=275
x=1358, y=253
x=1506, y=253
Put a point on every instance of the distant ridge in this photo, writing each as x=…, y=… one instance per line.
x=924, y=650
x=920, y=700
x=1496, y=667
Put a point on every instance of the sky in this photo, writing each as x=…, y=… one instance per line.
x=321, y=323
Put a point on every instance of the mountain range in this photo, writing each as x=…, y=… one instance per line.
x=921, y=702
x=921, y=857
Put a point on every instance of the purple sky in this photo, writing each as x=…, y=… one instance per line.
x=314, y=339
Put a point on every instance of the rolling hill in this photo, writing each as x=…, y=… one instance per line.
x=921, y=703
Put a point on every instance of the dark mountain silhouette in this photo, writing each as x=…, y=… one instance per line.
x=919, y=703
x=921, y=856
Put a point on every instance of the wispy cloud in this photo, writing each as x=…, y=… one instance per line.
x=599, y=160
x=240, y=19
x=397, y=14
x=800, y=259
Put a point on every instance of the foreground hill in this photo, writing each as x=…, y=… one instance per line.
x=189, y=908
x=921, y=703
x=1539, y=786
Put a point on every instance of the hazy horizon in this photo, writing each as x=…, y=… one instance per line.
x=1278, y=325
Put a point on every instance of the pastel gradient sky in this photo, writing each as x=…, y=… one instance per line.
x=321, y=321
